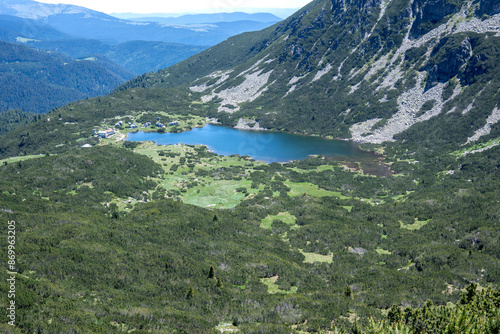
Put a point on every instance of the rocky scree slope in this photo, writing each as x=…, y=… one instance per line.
x=365, y=70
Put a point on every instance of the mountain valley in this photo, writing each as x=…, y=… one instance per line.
x=115, y=235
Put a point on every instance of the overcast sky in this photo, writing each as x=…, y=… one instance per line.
x=170, y=6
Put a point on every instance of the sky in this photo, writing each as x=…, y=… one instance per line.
x=172, y=6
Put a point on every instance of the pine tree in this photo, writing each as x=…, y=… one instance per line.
x=211, y=272
x=348, y=291
x=190, y=292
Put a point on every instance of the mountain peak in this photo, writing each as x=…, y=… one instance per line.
x=37, y=10
x=365, y=70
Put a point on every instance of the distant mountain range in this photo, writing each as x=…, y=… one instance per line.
x=84, y=23
x=80, y=32
x=125, y=48
x=282, y=13
x=38, y=81
x=210, y=18
x=36, y=10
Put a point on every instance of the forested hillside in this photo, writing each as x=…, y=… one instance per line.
x=138, y=57
x=13, y=119
x=38, y=81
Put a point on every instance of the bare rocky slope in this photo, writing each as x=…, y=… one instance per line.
x=365, y=70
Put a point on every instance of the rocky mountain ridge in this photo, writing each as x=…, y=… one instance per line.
x=363, y=70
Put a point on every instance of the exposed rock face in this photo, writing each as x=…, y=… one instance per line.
x=493, y=119
x=250, y=89
x=451, y=63
x=248, y=124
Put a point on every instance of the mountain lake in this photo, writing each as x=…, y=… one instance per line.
x=268, y=146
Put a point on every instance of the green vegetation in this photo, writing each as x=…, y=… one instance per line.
x=476, y=312
x=13, y=119
x=417, y=225
x=272, y=287
x=313, y=257
x=266, y=246
x=285, y=217
x=125, y=236
x=301, y=188
x=478, y=146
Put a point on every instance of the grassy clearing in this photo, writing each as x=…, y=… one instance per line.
x=220, y=194
x=299, y=188
x=398, y=198
x=318, y=169
x=314, y=257
x=204, y=191
x=272, y=287
x=477, y=146
x=381, y=251
x=17, y=159
x=285, y=217
x=415, y=226
x=226, y=327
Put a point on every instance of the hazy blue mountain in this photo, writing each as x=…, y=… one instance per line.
x=136, y=56
x=15, y=29
x=38, y=10
x=282, y=13
x=84, y=23
x=80, y=32
x=115, y=31
x=38, y=81
x=142, y=56
x=212, y=18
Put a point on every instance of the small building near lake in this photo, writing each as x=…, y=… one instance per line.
x=106, y=133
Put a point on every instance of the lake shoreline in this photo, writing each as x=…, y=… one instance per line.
x=264, y=145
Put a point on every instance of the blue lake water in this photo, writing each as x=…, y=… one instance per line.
x=268, y=146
